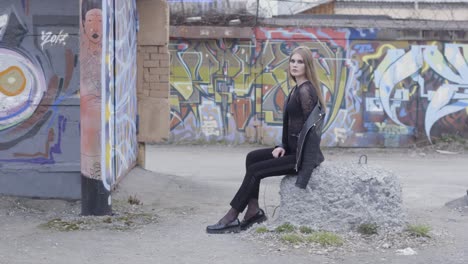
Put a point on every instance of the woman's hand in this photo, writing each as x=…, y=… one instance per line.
x=278, y=152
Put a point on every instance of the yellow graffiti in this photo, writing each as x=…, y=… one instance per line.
x=184, y=88
x=413, y=90
x=378, y=54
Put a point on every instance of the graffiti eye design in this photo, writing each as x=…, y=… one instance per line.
x=12, y=81
x=22, y=87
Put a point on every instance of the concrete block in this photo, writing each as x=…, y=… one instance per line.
x=151, y=49
x=343, y=196
x=159, y=86
x=160, y=56
x=154, y=119
x=150, y=63
x=164, y=78
x=164, y=63
x=154, y=22
x=163, y=49
x=160, y=71
x=159, y=94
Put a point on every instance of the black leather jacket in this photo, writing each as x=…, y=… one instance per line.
x=308, y=153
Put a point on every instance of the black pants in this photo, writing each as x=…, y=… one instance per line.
x=260, y=164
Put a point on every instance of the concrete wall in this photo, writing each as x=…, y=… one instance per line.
x=39, y=98
x=427, y=11
x=153, y=71
x=380, y=93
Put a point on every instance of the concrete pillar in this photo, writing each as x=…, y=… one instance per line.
x=95, y=196
x=153, y=72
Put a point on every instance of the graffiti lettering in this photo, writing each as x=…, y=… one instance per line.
x=210, y=127
x=364, y=48
x=53, y=39
x=340, y=134
x=391, y=129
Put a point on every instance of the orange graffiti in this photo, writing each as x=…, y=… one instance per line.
x=12, y=81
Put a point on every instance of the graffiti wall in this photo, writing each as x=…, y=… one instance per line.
x=379, y=93
x=39, y=98
x=120, y=144
x=108, y=89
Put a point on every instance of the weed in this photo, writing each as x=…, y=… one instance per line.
x=134, y=200
x=325, y=239
x=292, y=238
x=451, y=138
x=61, y=225
x=261, y=230
x=305, y=230
x=285, y=228
x=419, y=230
x=367, y=229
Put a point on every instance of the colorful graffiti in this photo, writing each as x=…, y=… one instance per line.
x=120, y=105
x=90, y=81
x=35, y=81
x=22, y=87
x=379, y=93
x=108, y=89
x=446, y=97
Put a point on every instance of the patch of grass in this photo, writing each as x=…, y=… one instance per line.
x=368, y=229
x=61, y=225
x=261, y=230
x=133, y=200
x=449, y=138
x=292, y=238
x=325, y=239
x=285, y=228
x=305, y=230
x=419, y=230
x=107, y=220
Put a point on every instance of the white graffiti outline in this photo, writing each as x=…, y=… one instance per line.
x=3, y=24
x=398, y=65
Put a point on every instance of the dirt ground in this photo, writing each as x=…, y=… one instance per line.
x=184, y=188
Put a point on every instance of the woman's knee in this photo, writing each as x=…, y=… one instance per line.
x=258, y=155
x=251, y=158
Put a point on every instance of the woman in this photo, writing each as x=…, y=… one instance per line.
x=299, y=152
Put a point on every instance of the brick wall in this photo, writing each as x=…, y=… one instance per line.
x=155, y=71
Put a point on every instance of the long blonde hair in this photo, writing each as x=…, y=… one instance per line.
x=308, y=58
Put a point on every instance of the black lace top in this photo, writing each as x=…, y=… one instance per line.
x=298, y=107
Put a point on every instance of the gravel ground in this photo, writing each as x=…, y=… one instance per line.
x=177, y=202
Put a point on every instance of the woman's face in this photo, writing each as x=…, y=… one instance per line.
x=297, y=66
